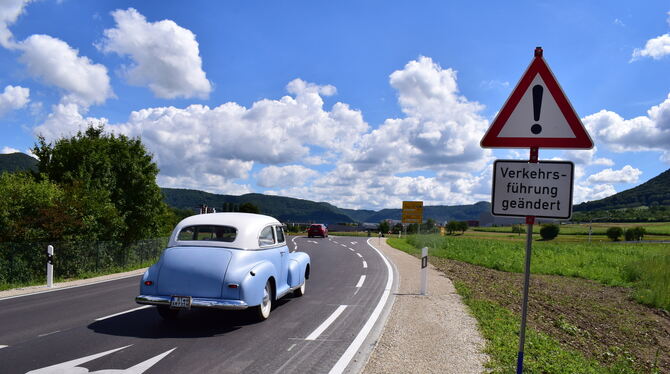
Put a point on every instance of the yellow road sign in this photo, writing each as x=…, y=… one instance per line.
x=412, y=211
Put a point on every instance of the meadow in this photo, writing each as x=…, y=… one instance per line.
x=588, y=315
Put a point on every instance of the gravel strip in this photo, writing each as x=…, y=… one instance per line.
x=426, y=334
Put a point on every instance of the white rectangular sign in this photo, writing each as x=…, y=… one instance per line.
x=542, y=189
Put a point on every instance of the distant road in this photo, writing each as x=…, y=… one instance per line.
x=99, y=327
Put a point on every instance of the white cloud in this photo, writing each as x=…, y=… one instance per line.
x=6, y=150
x=10, y=10
x=64, y=121
x=441, y=129
x=655, y=48
x=284, y=176
x=14, y=97
x=587, y=157
x=165, y=56
x=643, y=133
x=582, y=192
x=56, y=63
x=208, y=182
x=627, y=174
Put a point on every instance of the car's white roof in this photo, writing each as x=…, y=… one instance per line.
x=248, y=227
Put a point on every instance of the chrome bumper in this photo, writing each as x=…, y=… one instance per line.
x=196, y=302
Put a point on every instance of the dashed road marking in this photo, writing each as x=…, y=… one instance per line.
x=351, y=249
x=291, y=347
x=359, y=255
x=47, y=334
x=365, y=264
x=124, y=312
x=315, y=334
x=3, y=346
x=360, y=281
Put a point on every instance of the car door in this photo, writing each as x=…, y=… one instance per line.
x=275, y=253
x=281, y=240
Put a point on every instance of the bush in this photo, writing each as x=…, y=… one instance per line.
x=635, y=233
x=614, y=233
x=549, y=231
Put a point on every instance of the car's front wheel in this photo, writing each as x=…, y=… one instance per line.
x=262, y=311
x=301, y=290
x=167, y=313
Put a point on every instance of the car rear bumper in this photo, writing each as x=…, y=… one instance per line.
x=196, y=302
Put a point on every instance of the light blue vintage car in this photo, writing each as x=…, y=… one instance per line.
x=230, y=261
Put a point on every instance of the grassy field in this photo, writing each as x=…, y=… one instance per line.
x=598, y=228
x=584, y=319
x=641, y=266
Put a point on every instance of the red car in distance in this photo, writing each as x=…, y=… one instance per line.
x=317, y=229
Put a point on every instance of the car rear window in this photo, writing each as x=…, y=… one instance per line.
x=208, y=232
x=316, y=227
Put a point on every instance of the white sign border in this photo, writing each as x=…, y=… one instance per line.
x=572, y=187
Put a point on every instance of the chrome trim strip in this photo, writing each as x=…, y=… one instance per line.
x=196, y=302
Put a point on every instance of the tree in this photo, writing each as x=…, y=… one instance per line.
x=462, y=226
x=614, y=233
x=249, y=208
x=635, y=233
x=517, y=229
x=384, y=227
x=397, y=228
x=116, y=168
x=549, y=231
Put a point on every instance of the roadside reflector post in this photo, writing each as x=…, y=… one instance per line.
x=50, y=266
x=424, y=269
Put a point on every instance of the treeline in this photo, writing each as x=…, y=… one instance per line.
x=94, y=185
x=93, y=189
x=653, y=213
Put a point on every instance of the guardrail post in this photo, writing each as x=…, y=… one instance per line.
x=50, y=266
x=424, y=269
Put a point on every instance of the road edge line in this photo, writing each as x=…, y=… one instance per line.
x=386, y=298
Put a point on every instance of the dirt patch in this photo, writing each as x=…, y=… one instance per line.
x=603, y=322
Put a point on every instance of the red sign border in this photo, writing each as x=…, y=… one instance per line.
x=582, y=139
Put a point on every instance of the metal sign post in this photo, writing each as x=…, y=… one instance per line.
x=536, y=114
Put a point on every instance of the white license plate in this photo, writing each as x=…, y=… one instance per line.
x=180, y=302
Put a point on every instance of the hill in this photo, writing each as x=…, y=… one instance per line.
x=287, y=209
x=654, y=192
x=16, y=162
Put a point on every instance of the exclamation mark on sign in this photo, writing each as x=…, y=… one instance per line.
x=537, y=106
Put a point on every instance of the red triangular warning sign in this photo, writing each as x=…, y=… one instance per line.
x=537, y=114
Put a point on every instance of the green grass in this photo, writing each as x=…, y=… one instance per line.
x=542, y=353
x=644, y=267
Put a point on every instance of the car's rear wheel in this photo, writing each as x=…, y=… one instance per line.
x=262, y=311
x=167, y=313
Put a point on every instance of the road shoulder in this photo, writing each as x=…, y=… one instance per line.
x=426, y=334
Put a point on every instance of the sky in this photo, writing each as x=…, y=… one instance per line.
x=362, y=104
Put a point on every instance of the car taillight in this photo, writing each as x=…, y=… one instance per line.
x=233, y=285
x=148, y=283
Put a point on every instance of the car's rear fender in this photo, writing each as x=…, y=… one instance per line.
x=251, y=289
x=150, y=275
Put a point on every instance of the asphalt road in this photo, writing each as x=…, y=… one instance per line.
x=78, y=327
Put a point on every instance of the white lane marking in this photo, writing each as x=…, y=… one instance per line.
x=72, y=366
x=344, y=245
x=312, y=241
x=365, y=265
x=3, y=346
x=47, y=334
x=69, y=287
x=359, y=255
x=360, y=281
x=349, y=354
x=351, y=249
x=354, y=243
x=315, y=334
x=291, y=347
x=124, y=312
